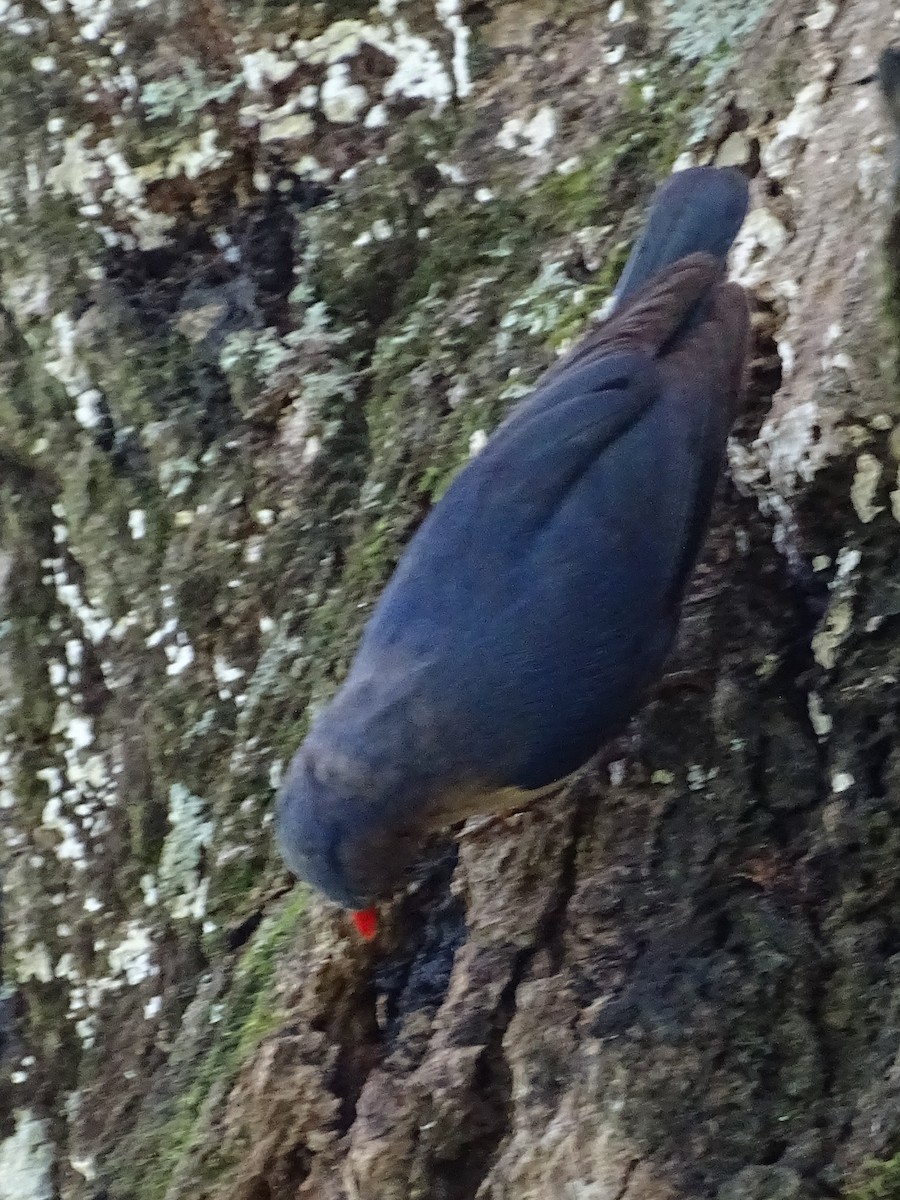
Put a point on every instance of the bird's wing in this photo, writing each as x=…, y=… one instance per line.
x=569, y=424
x=471, y=546
x=720, y=346
x=540, y=596
x=613, y=562
x=649, y=319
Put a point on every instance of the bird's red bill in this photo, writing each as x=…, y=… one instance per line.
x=366, y=922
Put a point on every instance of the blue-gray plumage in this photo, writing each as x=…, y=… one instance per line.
x=542, y=593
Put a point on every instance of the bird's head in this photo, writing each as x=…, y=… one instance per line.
x=343, y=829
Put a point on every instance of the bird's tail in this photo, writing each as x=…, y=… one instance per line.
x=697, y=210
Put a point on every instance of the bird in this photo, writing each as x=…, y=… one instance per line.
x=540, y=596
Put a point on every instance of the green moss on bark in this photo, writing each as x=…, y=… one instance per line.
x=172, y=1130
x=881, y=1181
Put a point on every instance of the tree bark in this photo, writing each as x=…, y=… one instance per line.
x=268, y=274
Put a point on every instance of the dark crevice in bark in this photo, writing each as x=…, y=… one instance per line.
x=240, y=934
x=626, y=1181
x=877, y=749
x=353, y=1029
x=428, y=928
x=368, y=1018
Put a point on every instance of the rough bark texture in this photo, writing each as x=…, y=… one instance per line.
x=268, y=273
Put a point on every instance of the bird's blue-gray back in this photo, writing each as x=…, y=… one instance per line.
x=541, y=595
x=543, y=592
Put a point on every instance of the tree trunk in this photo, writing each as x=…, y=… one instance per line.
x=268, y=274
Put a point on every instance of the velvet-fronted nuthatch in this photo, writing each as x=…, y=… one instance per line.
x=541, y=595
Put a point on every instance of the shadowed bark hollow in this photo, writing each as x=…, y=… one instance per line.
x=268, y=274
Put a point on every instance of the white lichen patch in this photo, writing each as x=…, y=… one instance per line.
x=28, y=295
x=376, y=117
x=760, y=240
x=190, y=831
x=153, y=1008
x=180, y=655
x=819, y=719
x=286, y=127
x=531, y=137
x=62, y=363
x=224, y=672
x=70, y=846
x=262, y=68
x=698, y=776
x=95, y=17
x=137, y=523
x=823, y=16
x=341, y=40
x=95, y=624
x=837, y=624
x=449, y=13
x=195, y=158
x=166, y=630
x=80, y=787
x=790, y=446
x=341, y=101
x=85, y=1165
x=184, y=96
x=96, y=173
x=780, y=156
x=34, y=962
x=149, y=890
x=617, y=772
x=477, y=442
x=133, y=955
x=86, y=1028
x=848, y=559
x=27, y=1159
x=865, y=487
x=420, y=72
x=264, y=351
x=80, y=731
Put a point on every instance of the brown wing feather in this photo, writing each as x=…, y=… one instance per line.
x=719, y=345
x=647, y=320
